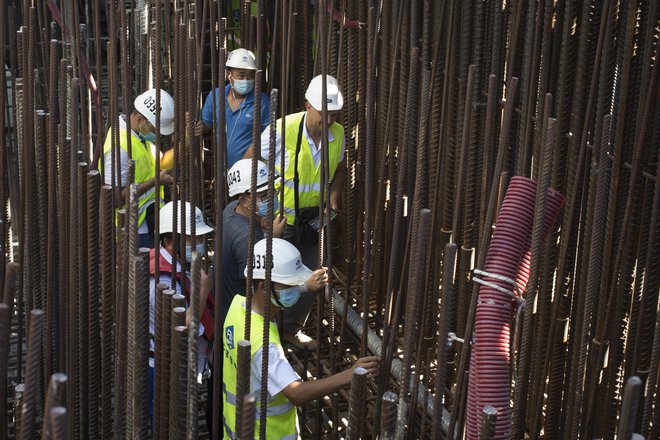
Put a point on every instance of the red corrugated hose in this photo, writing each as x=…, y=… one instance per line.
x=508, y=258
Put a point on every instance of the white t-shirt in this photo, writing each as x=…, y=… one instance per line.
x=280, y=372
x=202, y=344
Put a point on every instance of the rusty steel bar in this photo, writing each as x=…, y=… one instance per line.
x=165, y=359
x=29, y=403
x=520, y=396
x=242, y=377
x=219, y=144
x=94, y=302
x=178, y=388
x=106, y=243
x=356, y=407
x=5, y=330
x=488, y=421
x=159, y=335
x=256, y=154
x=388, y=421
x=58, y=418
x=193, y=334
x=447, y=307
x=414, y=293
x=629, y=408
x=54, y=398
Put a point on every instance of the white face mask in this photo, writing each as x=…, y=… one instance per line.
x=199, y=248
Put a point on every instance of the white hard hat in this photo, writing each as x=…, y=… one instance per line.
x=239, y=177
x=166, y=217
x=241, y=59
x=314, y=93
x=146, y=105
x=288, y=267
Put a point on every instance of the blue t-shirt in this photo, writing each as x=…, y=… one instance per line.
x=239, y=122
x=235, y=229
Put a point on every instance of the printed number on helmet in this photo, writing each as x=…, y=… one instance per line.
x=234, y=177
x=150, y=103
x=259, y=262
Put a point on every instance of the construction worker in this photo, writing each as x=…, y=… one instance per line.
x=302, y=182
x=236, y=223
x=285, y=388
x=190, y=244
x=239, y=105
x=143, y=151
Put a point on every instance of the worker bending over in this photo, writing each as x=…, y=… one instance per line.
x=285, y=388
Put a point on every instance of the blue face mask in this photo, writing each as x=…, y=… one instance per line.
x=149, y=137
x=199, y=248
x=243, y=86
x=262, y=207
x=287, y=297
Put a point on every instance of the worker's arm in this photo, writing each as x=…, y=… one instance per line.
x=121, y=193
x=249, y=152
x=301, y=392
x=204, y=294
x=337, y=186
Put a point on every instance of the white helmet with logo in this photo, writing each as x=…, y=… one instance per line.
x=239, y=177
x=146, y=105
x=288, y=268
x=314, y=93
x=241, y=59
x=167, y=215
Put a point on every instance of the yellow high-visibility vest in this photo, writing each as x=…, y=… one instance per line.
x=309, y=175
x=281, y=415
x=145, y=167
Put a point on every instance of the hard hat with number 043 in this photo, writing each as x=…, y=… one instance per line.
x=239, y=177
x=334, y=97
x=146, y=105
x=288, y=268
x=241, y=59
x=167, y=215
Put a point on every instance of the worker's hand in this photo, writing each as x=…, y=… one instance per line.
x=199, y=128
x=318, y=280
x=369, y=363
x=279, y=223
x=335, y=202
x=166, y=177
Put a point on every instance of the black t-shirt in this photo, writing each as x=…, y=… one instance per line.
x=234, y=254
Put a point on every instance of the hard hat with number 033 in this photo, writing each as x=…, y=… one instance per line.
x=288, y=268
x=146, y=105
x=334, y=97
x=241, y=59
x=239, y=177
x=166, y=216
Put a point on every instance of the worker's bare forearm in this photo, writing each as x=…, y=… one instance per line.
x=300, y=392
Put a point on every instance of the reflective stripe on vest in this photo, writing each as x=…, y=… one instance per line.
x=309, y=175
x=281, y=414
x=271, y=410
x=145, y=167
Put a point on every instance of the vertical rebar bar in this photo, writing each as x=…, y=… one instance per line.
x=629, y=408
x=356, y=407
x=54, y=397
x=489, y=419
x=33, y=368
x=58, y=422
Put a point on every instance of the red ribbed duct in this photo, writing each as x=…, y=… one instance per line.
x=508, y=257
